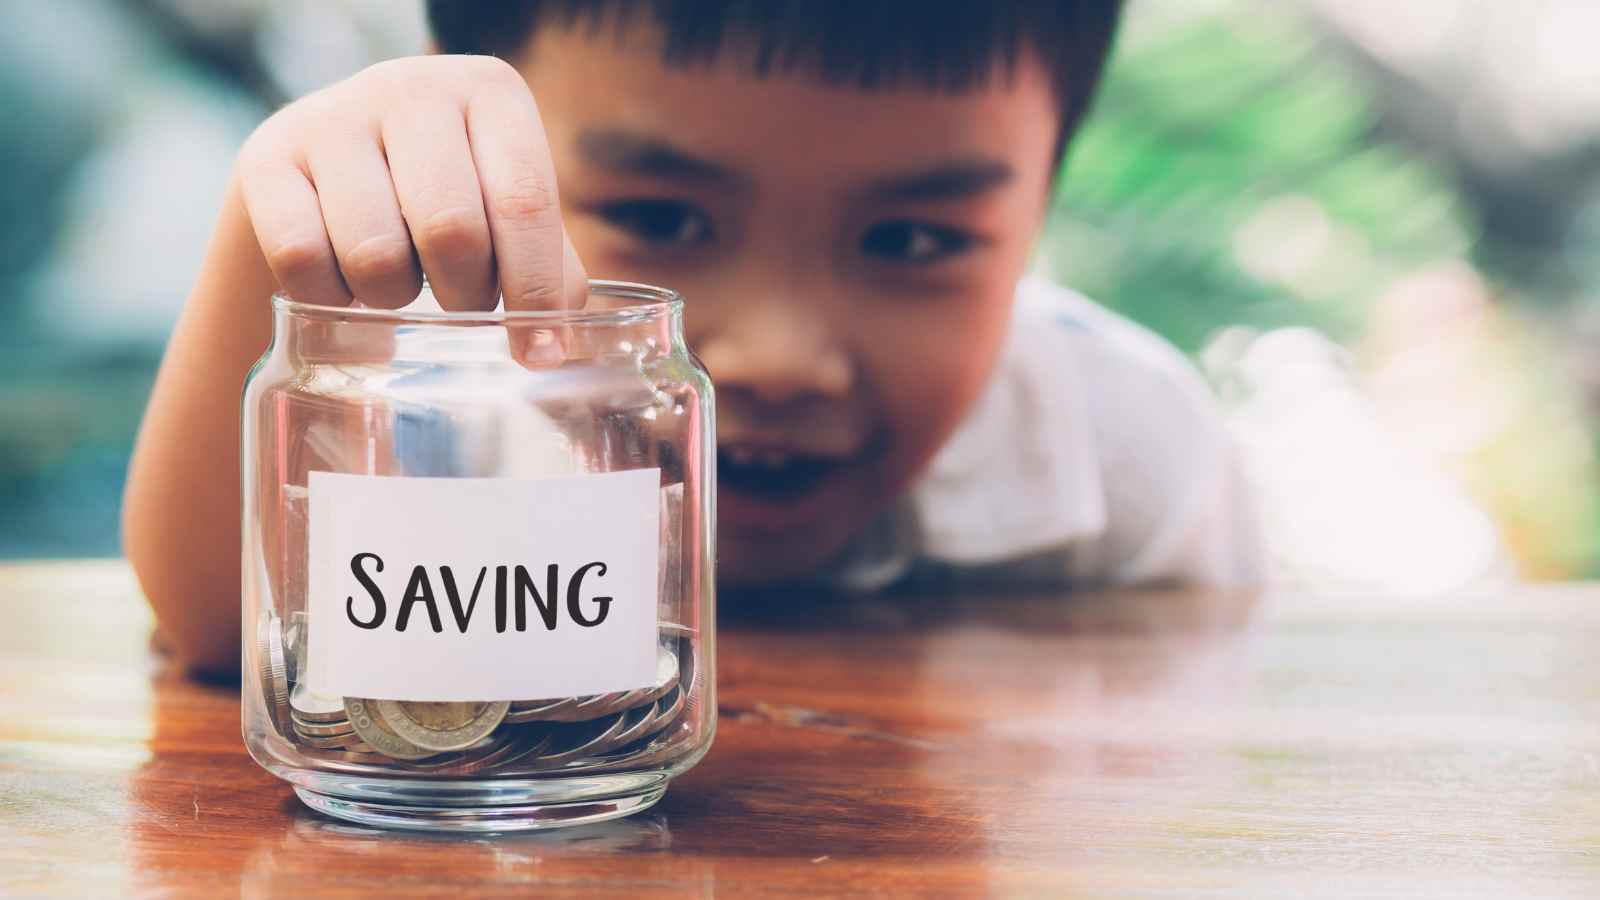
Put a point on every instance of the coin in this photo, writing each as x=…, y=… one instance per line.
x=583, y=740
x=675, y=630
x=667, y=669
x=361, y=755
x=522, y=711
x=346, y=741
x=582, y=709
x=666, y=677
x=502, y=757
x=663, y=739
x=294, y=647
x=443, y=726
x=636, y=724
x=370, y=724
x=523, y=756
x=673, y=708
x=270, y=668
x=316, y=708
x=489, y=753
x=321, y=729
x=595, y=707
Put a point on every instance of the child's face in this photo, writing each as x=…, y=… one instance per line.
x=847, y=258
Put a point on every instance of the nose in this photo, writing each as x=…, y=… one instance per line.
x=778, y=350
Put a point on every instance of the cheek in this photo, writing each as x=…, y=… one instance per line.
x=601, y=249
x=930, y=369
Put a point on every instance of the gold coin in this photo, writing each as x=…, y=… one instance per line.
x=443, y=726
x=370, y=724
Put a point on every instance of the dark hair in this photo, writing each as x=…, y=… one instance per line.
x=945, y=44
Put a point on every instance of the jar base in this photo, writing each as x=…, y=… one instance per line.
x=479, y=819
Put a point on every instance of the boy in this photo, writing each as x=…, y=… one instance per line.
x=847, y=194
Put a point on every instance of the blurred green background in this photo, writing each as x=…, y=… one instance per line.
x=1375, y=225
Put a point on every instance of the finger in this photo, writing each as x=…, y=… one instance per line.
x=519, y=192
x=364, y=223
x=283, y=210
x=437, y=185
x=574, y=277
x=546, y=345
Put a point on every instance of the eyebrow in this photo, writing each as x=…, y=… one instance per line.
x=632, y=153
x=635, y=153
x=946, y=181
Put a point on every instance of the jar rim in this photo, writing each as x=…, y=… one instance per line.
x=648, y=301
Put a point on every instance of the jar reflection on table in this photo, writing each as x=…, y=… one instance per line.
x=521, y=396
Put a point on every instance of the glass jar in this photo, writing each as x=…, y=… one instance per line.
x=478, y=560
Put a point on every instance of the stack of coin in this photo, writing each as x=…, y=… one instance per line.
x=476, y=738
x=272, y=670
x=321, y=723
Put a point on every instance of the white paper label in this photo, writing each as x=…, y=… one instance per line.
x=482, y=588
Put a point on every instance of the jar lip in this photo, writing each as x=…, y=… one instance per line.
x=648, y=301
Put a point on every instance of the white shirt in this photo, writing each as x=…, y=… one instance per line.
x=1096, y=453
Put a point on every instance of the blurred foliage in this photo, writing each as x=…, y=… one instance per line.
x=1196, y=131
x=1235, y=173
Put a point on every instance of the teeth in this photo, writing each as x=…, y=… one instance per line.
x=749, y=456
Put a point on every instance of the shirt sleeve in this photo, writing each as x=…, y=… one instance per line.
x=1209, y=537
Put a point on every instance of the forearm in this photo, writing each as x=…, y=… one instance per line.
x=181, y=508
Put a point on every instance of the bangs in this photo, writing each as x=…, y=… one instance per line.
x=867, y=44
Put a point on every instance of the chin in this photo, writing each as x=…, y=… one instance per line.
x=747, y=563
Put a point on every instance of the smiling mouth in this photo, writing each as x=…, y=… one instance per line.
x=773, y=475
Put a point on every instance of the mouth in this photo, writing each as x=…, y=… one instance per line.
x=772, y=475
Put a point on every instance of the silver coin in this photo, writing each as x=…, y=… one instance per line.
x=668, y=711
x=687, y=650
x=667, y=673
x=583, y=709
x=525, y=756
x=661, y=715
x=577, y=709
x=443, y=726
x=360, y=755
x=516, y=717
x=546, y=707
x=584, y=741
x=270, y=669
x=321, y=729
x=666, y=678
x=674, y=707
x=347, y=741
x=312, y=707
x=370, y=724
x=294, y=647
x=504, y=757
x=673, y=629
x=664, y=738
x=636, y=724
x=596, y=707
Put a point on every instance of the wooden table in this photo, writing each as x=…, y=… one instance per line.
x=1134, y=745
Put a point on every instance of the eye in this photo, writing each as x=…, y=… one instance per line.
x=913, y=242
x=665, y=222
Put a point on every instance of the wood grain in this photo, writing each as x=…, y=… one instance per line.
x=1151, y=744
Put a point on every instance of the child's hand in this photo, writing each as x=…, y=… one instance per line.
x=439, y=161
